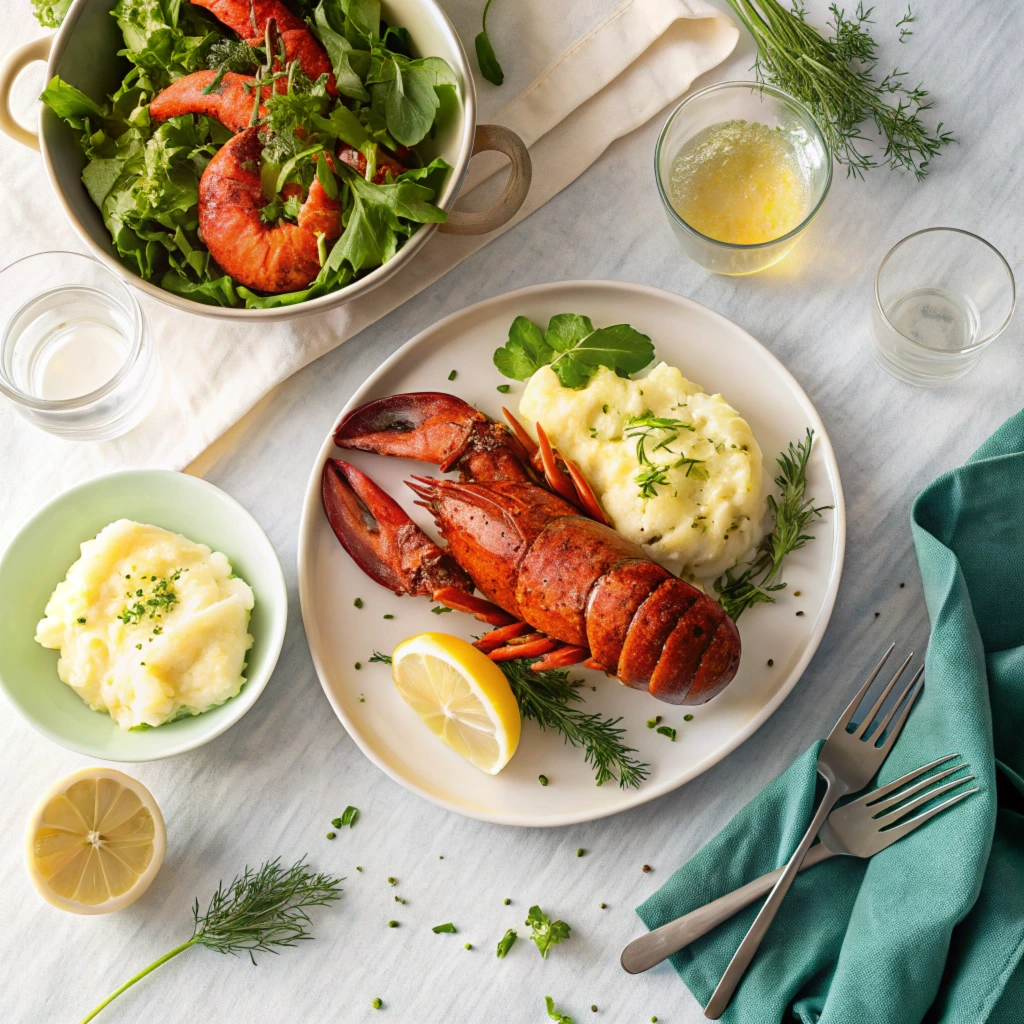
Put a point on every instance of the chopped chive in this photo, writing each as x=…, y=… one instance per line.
x=447, y=928
x=452, y=375
x=389, y=616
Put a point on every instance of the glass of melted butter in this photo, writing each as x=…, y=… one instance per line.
x=742, y=169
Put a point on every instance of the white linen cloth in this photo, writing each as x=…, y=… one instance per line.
x=578, y=76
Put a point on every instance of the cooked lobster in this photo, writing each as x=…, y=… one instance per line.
x=559, y=584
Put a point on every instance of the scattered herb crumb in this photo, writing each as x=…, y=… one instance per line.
x=332, y=835
x=359, y=665
x=593, y=1008
x=400, y=899
x=545, y=932
x=440, y=609
x=771, y=661
x=603, y=905
x=507, y=901
x=667, y=730
x=798, y=614
x=389, y=616
x=580, y=852
x=452, y=375
x=506, y=942
x=555, y=1015
x=447, y=928
x=504, y=388
x=542, y=779
x=380, y=659
x=358, y=602
x=687, y=718
x=646, y=868
x=81, y=620
x=392, y=924
x=652, y=722
x=468, y=945
x=391, y=881
x=377, y=1004
x=358, y=867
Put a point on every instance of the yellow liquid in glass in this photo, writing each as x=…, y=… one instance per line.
x=740, y=182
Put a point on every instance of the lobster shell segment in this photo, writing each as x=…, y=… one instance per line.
x=564, y=563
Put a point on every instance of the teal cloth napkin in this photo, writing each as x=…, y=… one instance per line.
x=931, y=929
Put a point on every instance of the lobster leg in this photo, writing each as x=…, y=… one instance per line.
x=531, y=646
x=384, y=542
x=498, y=637
x=560, y=658
x=485, y=611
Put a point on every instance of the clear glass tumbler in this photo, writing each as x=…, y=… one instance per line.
x=942, y=296
x=753, y=102
x=76, y=357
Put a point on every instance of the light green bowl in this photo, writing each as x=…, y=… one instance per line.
x=38, y=558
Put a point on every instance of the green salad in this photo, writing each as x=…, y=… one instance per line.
x=352, y=135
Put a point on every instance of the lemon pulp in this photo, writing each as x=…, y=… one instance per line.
x=461, y=696
x=95, y=842
x=741, y=182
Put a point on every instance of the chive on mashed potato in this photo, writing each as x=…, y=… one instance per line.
x=675, y=470
x=150, y=626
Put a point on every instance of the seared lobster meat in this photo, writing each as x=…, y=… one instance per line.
x=558, y=582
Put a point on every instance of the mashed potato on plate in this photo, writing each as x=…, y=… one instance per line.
x=150, y=625
x=675, y=470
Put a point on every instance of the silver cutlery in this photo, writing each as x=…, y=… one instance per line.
x=861, y=828
x=847, y=762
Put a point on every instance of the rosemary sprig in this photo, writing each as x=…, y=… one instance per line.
x=793, y=512
x=260, y=911
x=836, y=78
x=548, y=699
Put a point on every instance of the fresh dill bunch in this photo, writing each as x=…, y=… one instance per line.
x=233, y=55
x=259, y=911
x=836, y=78
x=548, y=699
x=793, y=513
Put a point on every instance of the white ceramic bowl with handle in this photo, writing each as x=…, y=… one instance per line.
x=76, y=53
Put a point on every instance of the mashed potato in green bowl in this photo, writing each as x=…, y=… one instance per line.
x=151, y=626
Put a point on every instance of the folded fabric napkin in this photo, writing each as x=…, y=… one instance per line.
x=933, y=927
x=577, y=80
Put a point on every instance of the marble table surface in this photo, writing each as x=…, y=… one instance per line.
x=269, y=785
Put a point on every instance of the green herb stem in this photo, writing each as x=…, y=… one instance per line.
x=138, y=977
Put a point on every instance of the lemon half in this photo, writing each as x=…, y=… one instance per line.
x=95, y=842
x=461, y=696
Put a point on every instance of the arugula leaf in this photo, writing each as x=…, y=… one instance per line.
x=574, y=349
x=555, y=1015
x=485, y=57
x=439, y=928
x=340, y=52
x=69, y=103
x=545, y=932
x=50, y=13
x=432, y=176
x=506, y=942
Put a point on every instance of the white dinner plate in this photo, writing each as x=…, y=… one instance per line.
x=710, y=350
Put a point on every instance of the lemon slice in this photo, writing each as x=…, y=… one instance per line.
x=461, y=695
x=95, y=842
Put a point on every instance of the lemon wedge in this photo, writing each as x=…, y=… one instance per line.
x=461, y=696
x=95, y=842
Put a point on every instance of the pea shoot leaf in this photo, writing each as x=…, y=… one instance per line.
x=545, y=932
x=506, y=942
x=485, y=57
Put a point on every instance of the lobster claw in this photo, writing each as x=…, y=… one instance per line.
x=384, y=542
x=430, y=426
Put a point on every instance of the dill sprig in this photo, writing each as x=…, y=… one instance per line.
x=548, y=698
x=793, y=512
x=836, y=78
x=259, y=911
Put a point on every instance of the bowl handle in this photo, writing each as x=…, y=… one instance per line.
x=506, y=206
x=12, y=66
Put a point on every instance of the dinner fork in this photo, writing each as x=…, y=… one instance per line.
x=861, y=828
x=847, y=762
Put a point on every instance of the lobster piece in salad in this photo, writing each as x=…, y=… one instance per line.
x=523, y=528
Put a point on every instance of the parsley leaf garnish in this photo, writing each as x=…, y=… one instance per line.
x=446, y=928
x=507, y=941
x=573, y=348
x=556, y=1015
x=545, y=932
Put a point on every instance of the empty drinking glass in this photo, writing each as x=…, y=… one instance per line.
x=942, y=296
x=76, y=358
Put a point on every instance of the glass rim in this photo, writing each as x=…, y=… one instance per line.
x=989, y=338
x=14, y=393
x=761, y=87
